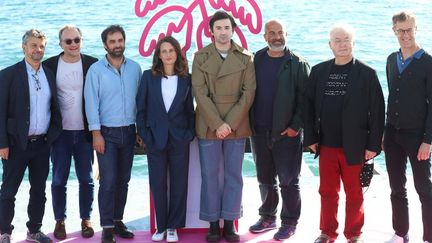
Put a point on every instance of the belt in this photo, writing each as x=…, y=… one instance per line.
x=34, y=138
x=123, y=127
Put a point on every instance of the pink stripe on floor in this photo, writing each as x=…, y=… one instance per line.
x=145, y=236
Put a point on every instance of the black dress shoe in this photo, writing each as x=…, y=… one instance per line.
x=121, y=230
x=213, y=234
x=229, y=232
x=108, y=236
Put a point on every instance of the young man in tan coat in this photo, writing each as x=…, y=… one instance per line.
x=223, y=81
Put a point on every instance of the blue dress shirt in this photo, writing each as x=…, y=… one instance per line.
x=110, y=94
x=402, y=64
x=40, y=100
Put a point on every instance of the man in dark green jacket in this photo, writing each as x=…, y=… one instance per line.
x=276, y=118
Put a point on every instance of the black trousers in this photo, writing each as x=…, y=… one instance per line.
x=36, y=158
x=281, y=159
x=400, y=144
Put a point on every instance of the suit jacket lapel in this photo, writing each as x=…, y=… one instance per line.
x=352, y=76
x=157, y=88
x=180, y=93
x=322, y=82
x=23, y=78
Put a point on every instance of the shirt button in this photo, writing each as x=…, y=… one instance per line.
x=397, y=114
x=396, y=101
x=397, y=89
x=28, y=122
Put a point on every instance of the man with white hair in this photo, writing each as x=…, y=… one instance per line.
x=344, y=121
x=277, y=123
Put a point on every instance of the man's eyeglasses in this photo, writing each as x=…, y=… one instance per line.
x=36, y=81
x=401, y=32
x=69, y=41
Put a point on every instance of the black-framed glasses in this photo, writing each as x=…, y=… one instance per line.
x=401, y=32
x=36, y=81
x=69, y=41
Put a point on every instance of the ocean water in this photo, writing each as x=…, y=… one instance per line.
x=307, y=25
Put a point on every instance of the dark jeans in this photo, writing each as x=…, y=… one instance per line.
x=36, y=158
x=115, y=171
x=170, y=164
x=280, y=158
x=398, y=145
x=68, y=144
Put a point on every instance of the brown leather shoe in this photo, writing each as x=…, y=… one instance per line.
x=86, y=228
x=60, y=230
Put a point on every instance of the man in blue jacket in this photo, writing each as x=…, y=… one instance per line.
x=277, y=121
x=29, y=121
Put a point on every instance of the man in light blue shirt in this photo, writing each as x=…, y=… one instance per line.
x=110, y=92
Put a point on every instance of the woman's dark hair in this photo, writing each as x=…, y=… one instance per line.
x=180, y=66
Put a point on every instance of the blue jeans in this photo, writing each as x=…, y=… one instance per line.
x=68, y=144
x=282, y=159
x=115, y=171
x=221, y=199
x=36, y=159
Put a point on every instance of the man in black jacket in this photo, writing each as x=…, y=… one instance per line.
x=30, y=120
x=344, y=121
x=408, y=132
x=70, y=68
x=277, y=124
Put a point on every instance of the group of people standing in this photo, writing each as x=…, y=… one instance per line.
x=72, y=104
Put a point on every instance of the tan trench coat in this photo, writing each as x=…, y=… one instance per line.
x=224, y=91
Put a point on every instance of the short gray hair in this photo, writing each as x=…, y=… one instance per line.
x=68, y=27
x=343, y=27
x=33, y=33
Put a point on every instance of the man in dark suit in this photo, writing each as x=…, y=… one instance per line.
x=70, y=68
x=344, y=121
x=29, y=121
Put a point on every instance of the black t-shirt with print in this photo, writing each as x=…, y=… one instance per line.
x=331, y=111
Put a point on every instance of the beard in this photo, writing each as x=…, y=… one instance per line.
x=116, y=53
x=277, y=47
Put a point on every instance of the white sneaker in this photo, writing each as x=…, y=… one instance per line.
x=398, y=239
x=172, y=235
x=5, y=238
x=158, y=236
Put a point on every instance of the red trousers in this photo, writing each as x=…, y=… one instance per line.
x=332, y=168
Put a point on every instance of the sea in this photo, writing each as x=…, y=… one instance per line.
x=307, y=23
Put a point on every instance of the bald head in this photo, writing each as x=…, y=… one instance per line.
x=275, y=35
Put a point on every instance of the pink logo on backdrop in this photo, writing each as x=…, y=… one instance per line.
x=248, y=15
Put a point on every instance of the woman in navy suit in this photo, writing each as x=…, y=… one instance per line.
x=165, y=123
